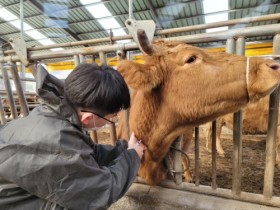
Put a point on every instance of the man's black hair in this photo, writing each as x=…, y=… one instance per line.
x=97, y=88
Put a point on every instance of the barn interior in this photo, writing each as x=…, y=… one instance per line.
x=57, y=34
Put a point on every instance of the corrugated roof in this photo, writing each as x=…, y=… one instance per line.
x=66, y=21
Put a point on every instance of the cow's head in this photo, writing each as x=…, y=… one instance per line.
x=180, y=85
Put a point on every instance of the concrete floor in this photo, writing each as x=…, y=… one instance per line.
x=143, y=197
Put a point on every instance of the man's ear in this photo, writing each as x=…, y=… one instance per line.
x=140, y=76
x=86, y=117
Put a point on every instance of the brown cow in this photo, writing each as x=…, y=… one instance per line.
x=255, y=121
x=179, y=86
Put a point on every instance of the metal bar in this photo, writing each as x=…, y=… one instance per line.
x=230, y=45
x=102, y=58
x=271, y=133
x=21, y=97
x=240, y=45
x=2, y=113
x=82, y=58
x=21, y=19
x=197, y=38
x=214, y=156
x=76, y=60
x=113, y=133
x=22, y=74
x=161, y=32
x=130, y=9
x=33, y=69
x=237, y=134
x=22, y=79
x=223, y=193
x=196, y=138
x=178, y=160
x=77, y=43
x=218, y=24
x=9, y=91
x=230, y=48
x=93, y=136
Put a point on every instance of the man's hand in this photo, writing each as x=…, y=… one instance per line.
x=136, y=144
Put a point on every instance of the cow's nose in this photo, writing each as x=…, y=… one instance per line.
x=274, y=66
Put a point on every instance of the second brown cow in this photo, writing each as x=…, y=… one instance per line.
x=255, y=121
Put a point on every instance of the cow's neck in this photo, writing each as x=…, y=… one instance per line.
x=148, y=119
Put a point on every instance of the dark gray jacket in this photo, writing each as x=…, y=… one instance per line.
x=47, y=162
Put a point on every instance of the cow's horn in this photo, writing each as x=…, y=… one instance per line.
x=144, y=42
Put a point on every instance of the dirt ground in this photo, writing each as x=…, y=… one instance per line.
x=253, y=162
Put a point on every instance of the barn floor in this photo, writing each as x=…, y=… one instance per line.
x=253, y=162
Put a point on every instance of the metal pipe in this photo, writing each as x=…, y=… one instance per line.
x=271, y=132
x=219, y=24
x=197, y=38
x=22, y=79
x=240, y=45
x=196, y=137
x=33, y=69
x=76, y=60
x=2, y=113
x=21, y=19
x=113, y=133
x=93, y=136
x=77, y=43
x=9, y=91
x=178, y=160
x=130, y=9
x=160, y=32
x=214, y=155
x=224, y=35
x=82, y=58
x=21, y=96
x=237, y=134
x=219, y=192
x=230, y=45
x=22, y=74
x=102, y=58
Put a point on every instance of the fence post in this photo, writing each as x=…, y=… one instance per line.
x=271, y=133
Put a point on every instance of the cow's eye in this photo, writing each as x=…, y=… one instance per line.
x=191, y=59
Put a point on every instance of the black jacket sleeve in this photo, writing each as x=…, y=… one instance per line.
x=105, y=154
x=69, y=176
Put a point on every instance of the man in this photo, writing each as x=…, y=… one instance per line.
x=46, y=160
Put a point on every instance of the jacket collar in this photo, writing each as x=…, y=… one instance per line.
x=51, y=92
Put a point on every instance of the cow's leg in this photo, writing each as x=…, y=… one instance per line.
x=220, y=123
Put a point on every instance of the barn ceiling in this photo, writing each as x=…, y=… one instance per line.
x=59, y=21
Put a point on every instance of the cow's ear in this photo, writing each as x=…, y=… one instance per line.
x=140, y=76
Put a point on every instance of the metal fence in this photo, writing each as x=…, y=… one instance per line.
x=235, y=39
